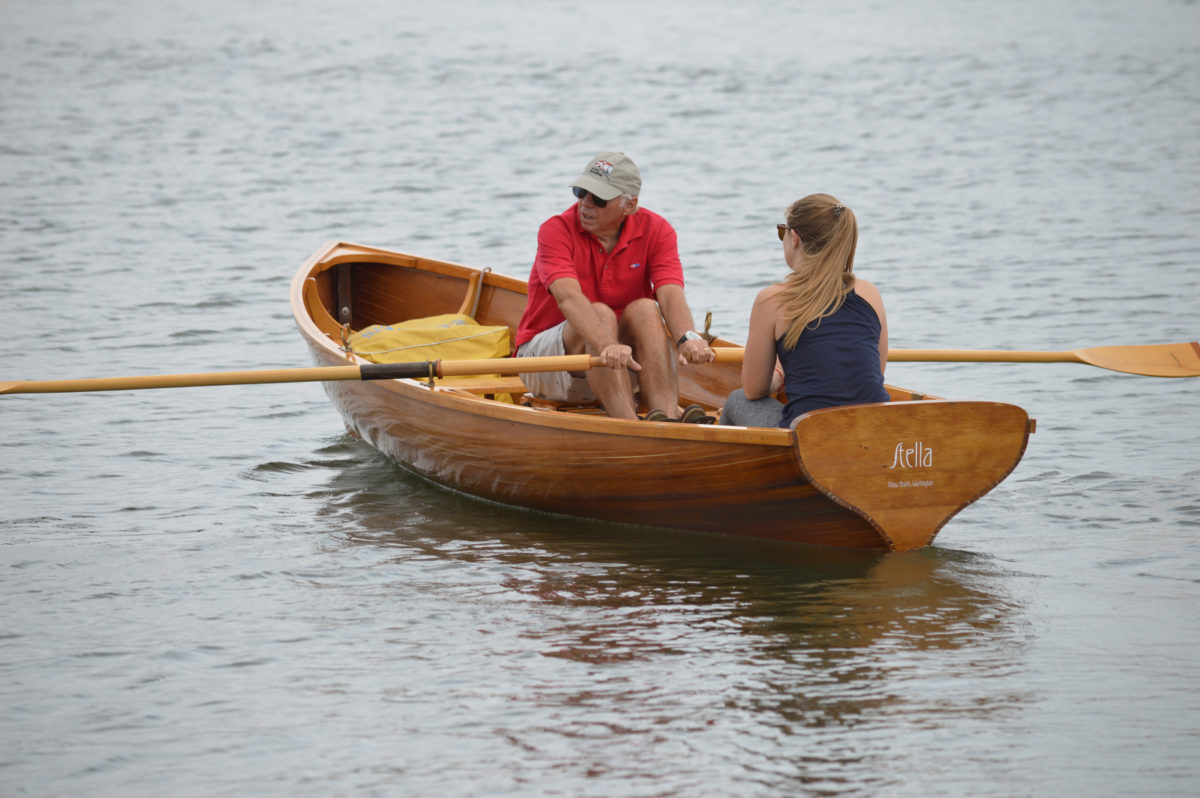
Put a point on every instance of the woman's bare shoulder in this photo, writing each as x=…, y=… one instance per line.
x=770, y=294
x=865, y=287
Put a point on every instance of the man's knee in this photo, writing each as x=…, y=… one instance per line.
x=643, y=307
x=642, y=314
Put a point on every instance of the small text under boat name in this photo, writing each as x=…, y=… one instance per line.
x=911, y=483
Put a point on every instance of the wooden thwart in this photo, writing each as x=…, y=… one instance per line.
x=320, y=316
x=488, y=384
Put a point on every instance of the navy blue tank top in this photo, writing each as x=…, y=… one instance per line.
x=835, y=363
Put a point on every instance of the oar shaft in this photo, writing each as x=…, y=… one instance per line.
x=1153, y=360
x=369, y=371
x=734, y=354
x=182, y=380
x=979, y=356
x=1148, y=360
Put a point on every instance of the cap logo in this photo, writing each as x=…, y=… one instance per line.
x=603, y=169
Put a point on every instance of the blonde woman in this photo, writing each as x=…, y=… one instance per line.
x=821, y=334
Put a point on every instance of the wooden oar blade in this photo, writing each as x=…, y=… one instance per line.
x=1150, y=360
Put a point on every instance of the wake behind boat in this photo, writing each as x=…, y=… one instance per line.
x=878, y=476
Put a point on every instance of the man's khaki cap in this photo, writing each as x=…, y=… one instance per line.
x=609, y=175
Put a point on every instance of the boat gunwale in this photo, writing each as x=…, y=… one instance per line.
x=336, y=252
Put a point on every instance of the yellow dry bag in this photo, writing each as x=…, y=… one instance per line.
x=451, y=336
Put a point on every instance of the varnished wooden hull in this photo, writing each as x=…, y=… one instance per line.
x=732, y=480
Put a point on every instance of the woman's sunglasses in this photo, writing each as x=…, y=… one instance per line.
x=580, y=193
x=782, y=229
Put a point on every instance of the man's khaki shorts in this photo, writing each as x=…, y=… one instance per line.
x=557, y=386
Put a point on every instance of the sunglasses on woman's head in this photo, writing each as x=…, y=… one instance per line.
x=782, y=230
x=580, y=193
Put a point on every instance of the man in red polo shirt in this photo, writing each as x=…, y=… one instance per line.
x=607, y=281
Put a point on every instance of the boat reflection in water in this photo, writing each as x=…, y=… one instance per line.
x=693, y=626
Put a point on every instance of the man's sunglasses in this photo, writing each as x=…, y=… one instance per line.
x=580, y=193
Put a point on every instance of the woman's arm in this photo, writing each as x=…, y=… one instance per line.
x=869, y=292
x=758, y=364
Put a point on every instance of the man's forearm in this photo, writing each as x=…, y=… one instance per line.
x=675, y=311
x=577, y=310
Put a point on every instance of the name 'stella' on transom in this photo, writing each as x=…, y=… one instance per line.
x=917, y=455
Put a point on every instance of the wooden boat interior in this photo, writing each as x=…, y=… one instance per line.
x=355, y=287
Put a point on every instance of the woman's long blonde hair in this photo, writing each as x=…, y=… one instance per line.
x=828, y=236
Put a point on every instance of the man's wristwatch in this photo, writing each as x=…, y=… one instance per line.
x=690, y=335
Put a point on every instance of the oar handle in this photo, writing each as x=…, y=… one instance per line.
x=508, y=365
x=428, y=369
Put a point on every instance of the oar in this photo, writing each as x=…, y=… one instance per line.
x=1149, y=360
x=370, y=371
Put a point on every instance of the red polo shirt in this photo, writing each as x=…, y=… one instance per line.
x=645, y=257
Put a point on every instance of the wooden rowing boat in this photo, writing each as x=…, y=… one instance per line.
x=881, y=476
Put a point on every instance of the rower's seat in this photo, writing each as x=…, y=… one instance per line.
x=484, y=385
x=494, y=386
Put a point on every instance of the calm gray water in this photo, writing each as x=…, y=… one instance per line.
x=217, y=592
